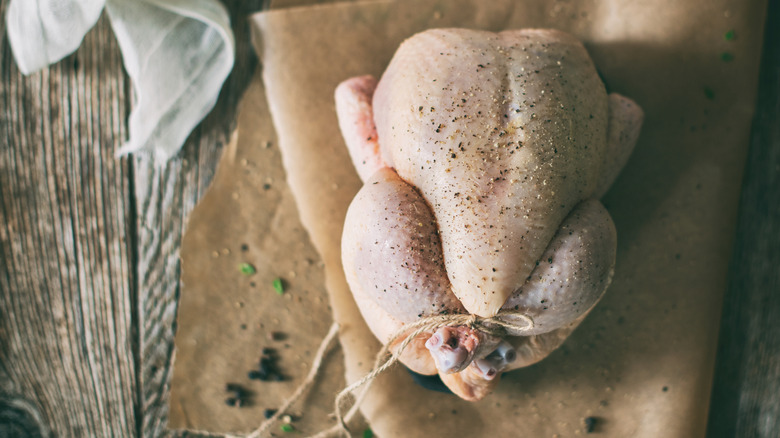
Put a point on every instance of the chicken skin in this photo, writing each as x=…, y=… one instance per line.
x=483, y=156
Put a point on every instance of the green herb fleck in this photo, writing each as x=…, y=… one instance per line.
x=368, y=433
x=278, y=286
x=287, y=427
x=246, y=269
x=709, y=93
x=726, y=57
x=729, y=35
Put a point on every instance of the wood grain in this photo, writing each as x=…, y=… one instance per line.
x=164, y=197
x=89, y=244
x=746, y=392
x=66, y=283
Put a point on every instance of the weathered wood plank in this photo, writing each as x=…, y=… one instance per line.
x=66, y=288
x=164, y=198
x=746, y=392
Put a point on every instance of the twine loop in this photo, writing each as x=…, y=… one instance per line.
x=504, y=323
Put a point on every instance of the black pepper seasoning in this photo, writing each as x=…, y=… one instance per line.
x=590, y=424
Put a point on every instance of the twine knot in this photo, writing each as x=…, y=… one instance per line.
x=504, y=323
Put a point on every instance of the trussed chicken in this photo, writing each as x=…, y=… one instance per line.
x=483, y=156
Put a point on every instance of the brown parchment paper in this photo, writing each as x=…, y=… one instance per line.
x=227, y=317
x=642, y=362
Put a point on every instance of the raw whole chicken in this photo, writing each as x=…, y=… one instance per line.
x=483, y=156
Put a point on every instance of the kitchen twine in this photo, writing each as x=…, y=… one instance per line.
x=506, y=322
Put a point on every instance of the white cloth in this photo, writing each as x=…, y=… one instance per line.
x=177, y=53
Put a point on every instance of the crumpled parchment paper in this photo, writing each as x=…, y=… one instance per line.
x=244, y=234
x=177, y=53
x=641, y=363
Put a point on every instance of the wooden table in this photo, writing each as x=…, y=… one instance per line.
x=89, y=266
